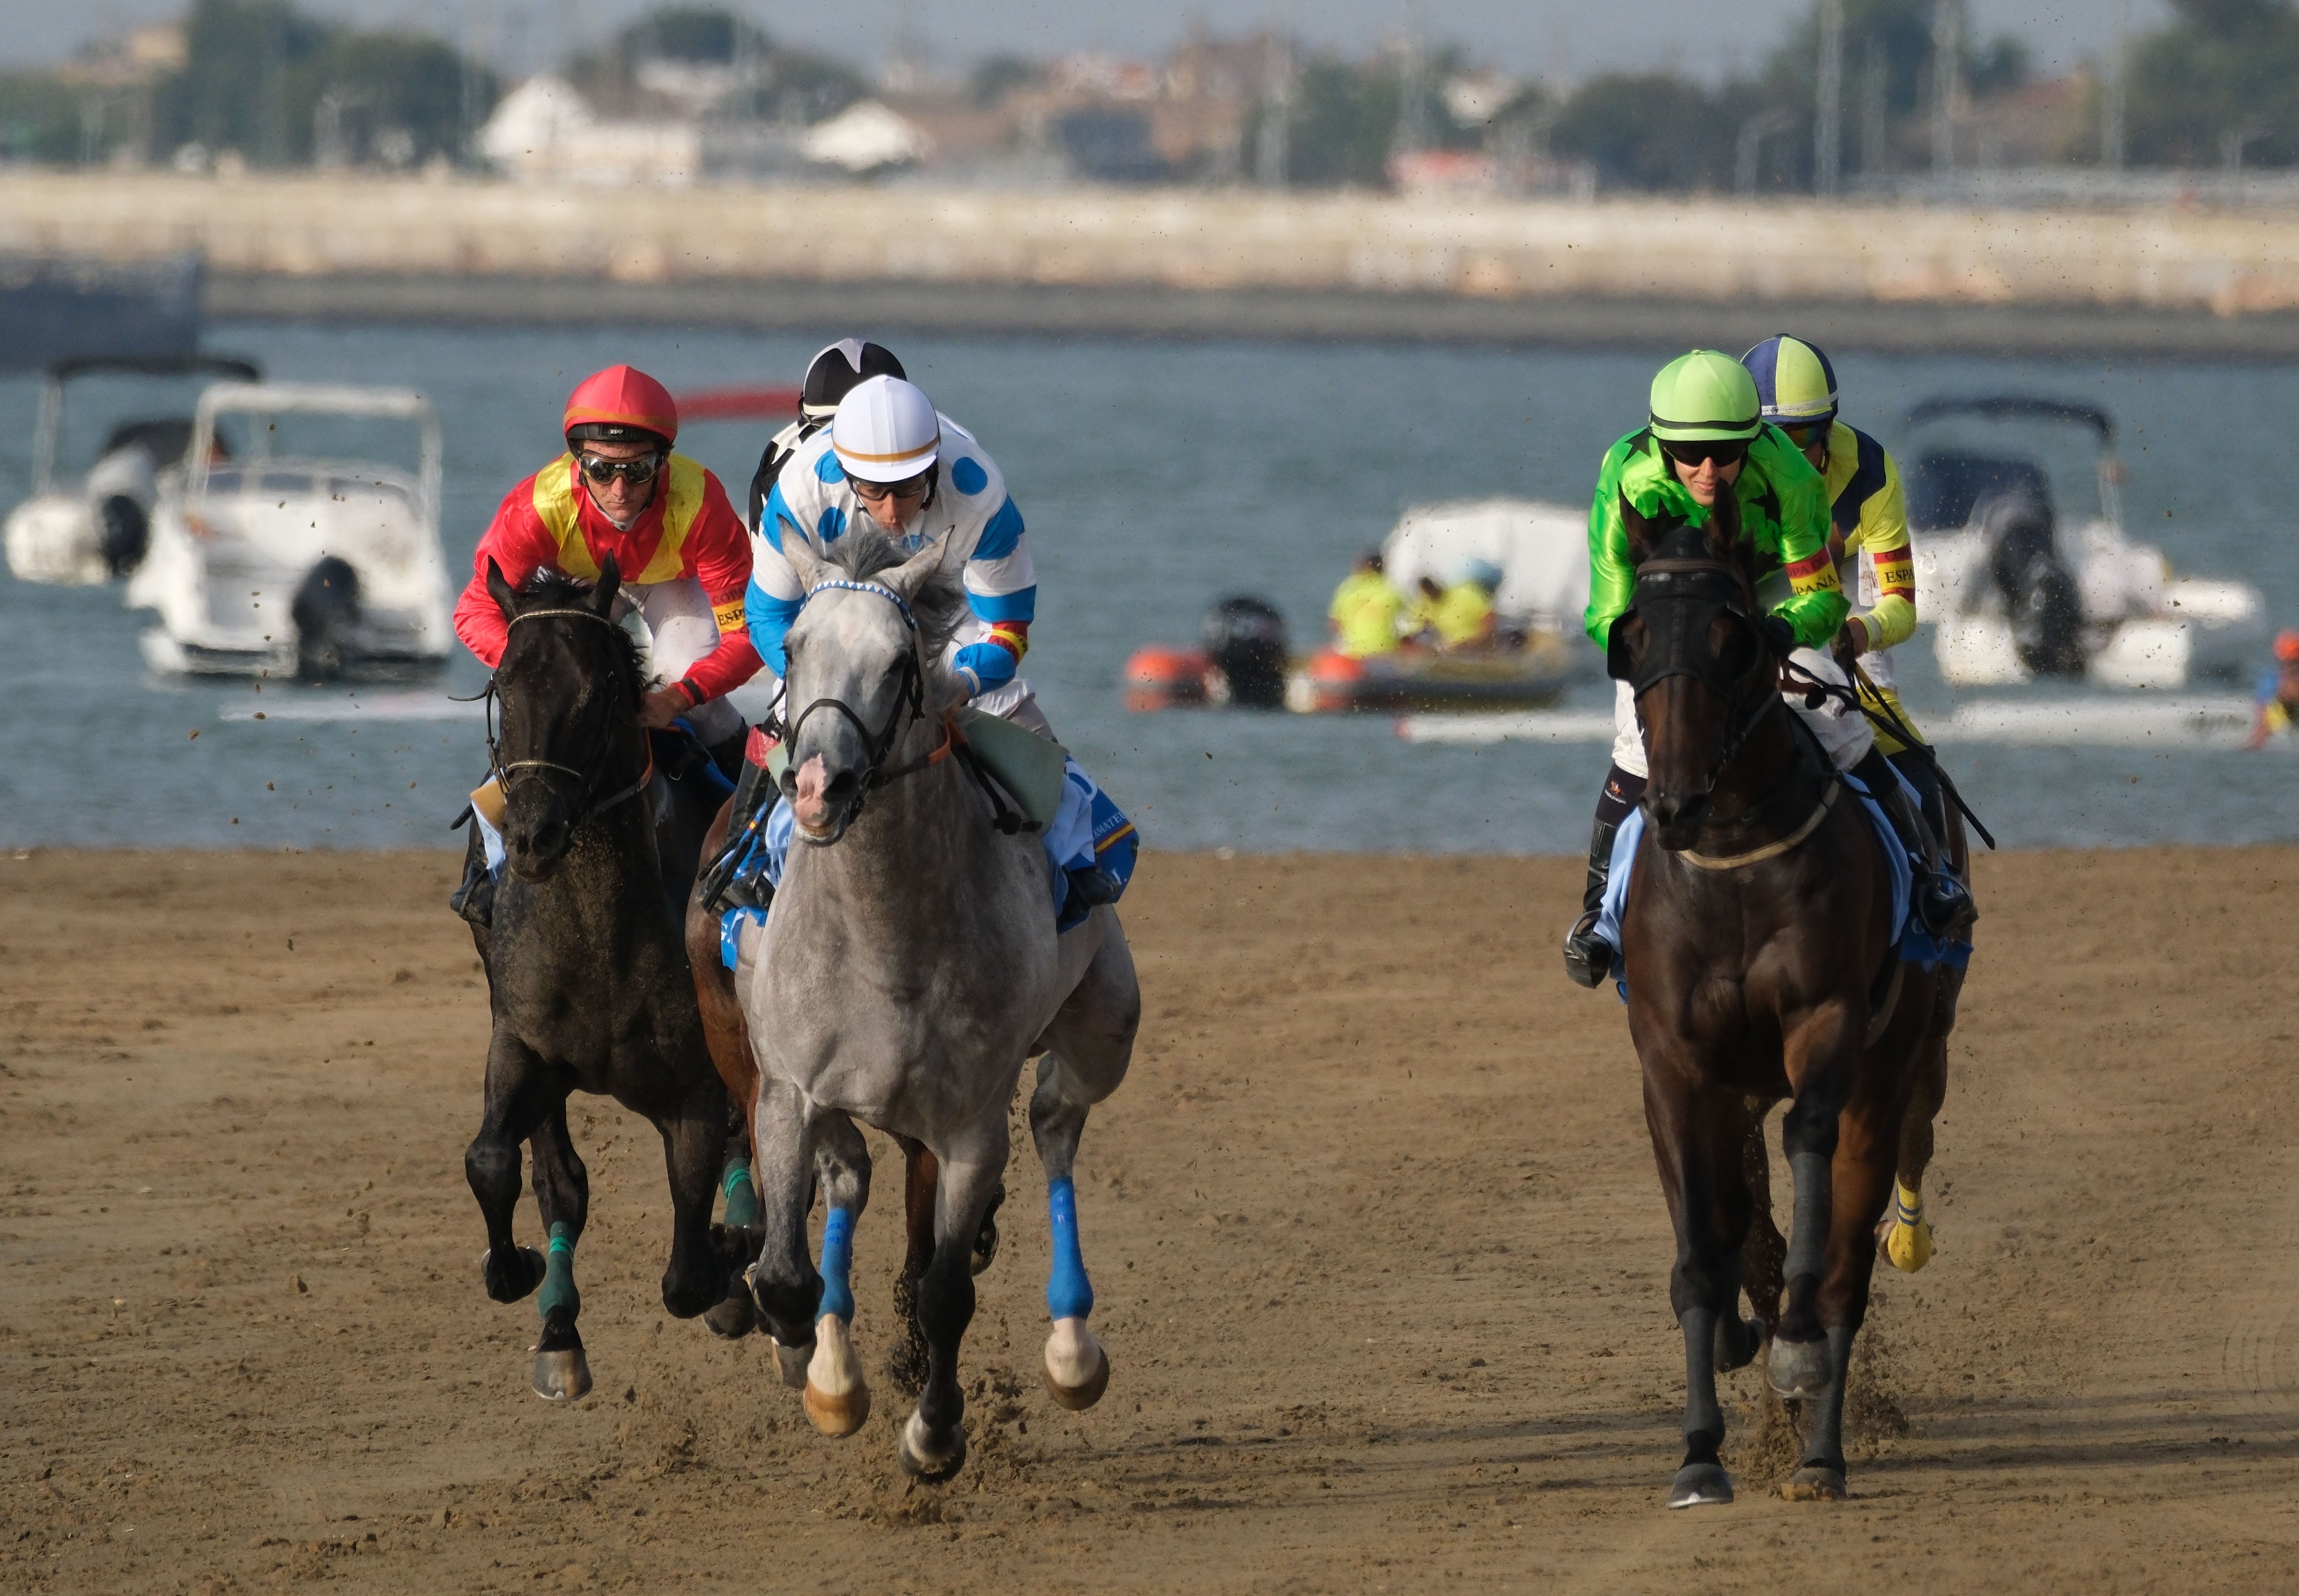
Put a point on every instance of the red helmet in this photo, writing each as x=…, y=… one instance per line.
x=2286, y=647
x=621, y=404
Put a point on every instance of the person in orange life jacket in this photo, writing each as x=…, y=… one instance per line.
x=683, y=555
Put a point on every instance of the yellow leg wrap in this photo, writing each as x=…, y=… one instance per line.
x=1906, y=1235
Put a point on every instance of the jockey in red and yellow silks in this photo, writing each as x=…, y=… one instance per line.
x=683, y=553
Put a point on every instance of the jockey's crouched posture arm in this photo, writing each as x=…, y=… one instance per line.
x=683, y=554
x=1705, y=437
x=919, y=477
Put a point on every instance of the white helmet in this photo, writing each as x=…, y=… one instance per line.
x=885, y=430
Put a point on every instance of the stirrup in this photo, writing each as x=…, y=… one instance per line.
x=1589, y=958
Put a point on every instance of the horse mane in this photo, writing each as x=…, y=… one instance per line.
x=940, y=603
x=552, y=590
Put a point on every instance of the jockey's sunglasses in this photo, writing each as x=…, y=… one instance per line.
x=1724, y=451
x=599, y=471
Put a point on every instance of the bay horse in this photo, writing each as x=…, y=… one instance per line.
x=586, y=967
x=908, y=968
x=1761, y=965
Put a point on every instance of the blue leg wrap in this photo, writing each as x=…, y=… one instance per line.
x=837, y=1255
x=558, y=1274
x=1069, y=1294
x=742, y=1196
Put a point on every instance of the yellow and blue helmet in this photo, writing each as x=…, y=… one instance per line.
x=1795, y=383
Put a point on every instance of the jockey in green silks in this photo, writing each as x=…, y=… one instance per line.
x=1705, y=438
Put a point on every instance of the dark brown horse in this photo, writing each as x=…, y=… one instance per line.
x=728, y=1034
x=1761, y=966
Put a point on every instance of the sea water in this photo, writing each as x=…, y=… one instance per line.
x=1155, y=478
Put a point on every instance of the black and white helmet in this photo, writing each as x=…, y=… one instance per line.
x=832, y=374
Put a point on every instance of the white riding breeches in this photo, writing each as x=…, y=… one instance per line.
x=681, y=630
x=1842, y=731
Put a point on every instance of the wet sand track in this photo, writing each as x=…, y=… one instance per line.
x=1378, y=1252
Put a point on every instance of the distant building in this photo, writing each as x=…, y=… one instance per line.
x=544, y=131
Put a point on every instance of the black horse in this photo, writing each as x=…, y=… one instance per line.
x=586, y=967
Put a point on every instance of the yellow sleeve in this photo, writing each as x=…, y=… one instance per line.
x=1883, y=537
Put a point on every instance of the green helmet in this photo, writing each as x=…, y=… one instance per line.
x=1704, y=395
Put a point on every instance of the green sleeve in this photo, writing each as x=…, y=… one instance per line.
x=1612, y=582
x=1815, y=607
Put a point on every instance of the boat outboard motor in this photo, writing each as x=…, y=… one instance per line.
x=123, y=534
x=2039, y=593
x=327, y=611
x=1245, y=640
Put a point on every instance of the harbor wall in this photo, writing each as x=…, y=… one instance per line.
x=1191, y=263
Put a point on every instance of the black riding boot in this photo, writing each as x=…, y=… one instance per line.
x=754, y=794
x=475, y=899
x=726, y=754
x=1943, y=904
x=1587, y=957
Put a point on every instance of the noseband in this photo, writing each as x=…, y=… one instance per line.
x=910, y=706
x=1692, y=591
x=503, y=770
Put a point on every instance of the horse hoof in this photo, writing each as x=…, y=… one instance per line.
x=733, y=1318
x=562, y=1377
x=1798, y=1368
x=1700, y=1485
x=926, y=1455
x=793, y=1361
x=1737, y=1341
x=514, y=1279
x=1077, y=1370
x=1907, y=1248
x=837, y=1397
x=1814, y=1482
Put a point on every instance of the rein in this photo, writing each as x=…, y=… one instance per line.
x=502, y=769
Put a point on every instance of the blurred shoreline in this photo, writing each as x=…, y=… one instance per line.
x=1175, y=263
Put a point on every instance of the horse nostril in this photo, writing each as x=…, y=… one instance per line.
x=842, y=787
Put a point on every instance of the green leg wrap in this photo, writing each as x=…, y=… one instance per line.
x=558, y=1275
x=742, y=1196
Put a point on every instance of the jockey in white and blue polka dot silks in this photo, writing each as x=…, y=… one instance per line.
x=890, y=455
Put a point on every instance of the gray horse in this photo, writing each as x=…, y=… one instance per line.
x=908, y=970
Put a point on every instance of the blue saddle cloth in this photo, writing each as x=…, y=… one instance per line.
x=1090, y=833
x=1915, y=944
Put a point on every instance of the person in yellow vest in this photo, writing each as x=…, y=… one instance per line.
x=1462, y=614
x=1365, y=610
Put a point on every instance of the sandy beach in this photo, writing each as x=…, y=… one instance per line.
x=1378, y=1254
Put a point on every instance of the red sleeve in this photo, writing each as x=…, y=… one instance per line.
x=520, y=544
x=718, y=555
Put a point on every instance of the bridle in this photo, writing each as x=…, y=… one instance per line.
x=909, y=708
x=1691, y=582
x=503, y=770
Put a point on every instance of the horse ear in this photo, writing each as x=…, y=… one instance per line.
x=803, y=563
x=610, y=582
x=500, y=590
x=911, y=574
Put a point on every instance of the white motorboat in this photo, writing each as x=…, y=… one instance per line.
x=2013, y=593
x=90, y=530
x=326, y=568
x=1541, y=552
